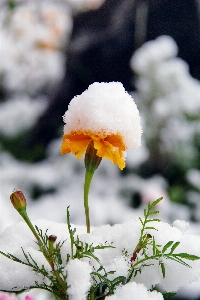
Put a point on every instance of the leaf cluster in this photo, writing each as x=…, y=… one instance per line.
x=150, y=251
x=54, y=280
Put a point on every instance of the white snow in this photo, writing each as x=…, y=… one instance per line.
x=78, y=279
x=121, y=236
x=105, y=108
x=20, y=113
x=32, y=37
x=134, y=291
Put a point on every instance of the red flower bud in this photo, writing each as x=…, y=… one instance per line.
x=52, y=238
x=18, y=200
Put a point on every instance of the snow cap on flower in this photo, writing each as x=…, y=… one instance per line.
x=107, y=115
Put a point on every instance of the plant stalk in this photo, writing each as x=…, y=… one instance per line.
x=88, y=178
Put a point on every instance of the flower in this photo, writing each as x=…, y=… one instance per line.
x=107, y=115
x=7, y=296
x=29, y=298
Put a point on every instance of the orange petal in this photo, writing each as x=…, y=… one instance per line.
x=111, y=148
x=107, y=146
x=75, y=143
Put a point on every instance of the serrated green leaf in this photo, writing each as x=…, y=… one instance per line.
x=154, y=212
x=100, y=268
x=168, y=295
x=162, y=268
x=187, y=256
x=152, y=220
x=158, y=251
x=118, y=280
x=150, y=228
x=155, y=220
x=111, y=272
x=103, y=247
x=153, y=204
x=141, y=221
x=167, y=246
x=154, y=246
x=177, y=259
x=174, y=247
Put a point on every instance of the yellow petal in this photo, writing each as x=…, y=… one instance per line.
x=111, y=148
x=107, y=146
x=75, y=143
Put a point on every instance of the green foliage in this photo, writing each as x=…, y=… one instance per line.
x=147, y=242
x=56, y=277
x=144, y=255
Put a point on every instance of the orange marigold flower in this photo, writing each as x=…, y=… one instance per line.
x=107, y=115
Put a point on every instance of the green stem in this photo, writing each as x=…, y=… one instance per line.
x=156, y=257
x=44, y=251
x=30, y=225
x=88, y=178
x=71, y=233
x=92, y=161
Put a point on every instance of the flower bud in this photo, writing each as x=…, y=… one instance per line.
x=52, y=238
x=18, y=200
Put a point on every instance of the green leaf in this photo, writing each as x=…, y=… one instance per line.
x=177, y=259
x=100, y=268
x=154, y=247
x=167, y=246
x=155, y=220
x=150, y=228
x=162, y=268
x=174, y=247
x=103, y=247
x=152, y=220
x=168, y=295
x=157, y=251
x=153, y=204
x=154, y=212
x=118, y=280
x=187, y=256
x=141, y=221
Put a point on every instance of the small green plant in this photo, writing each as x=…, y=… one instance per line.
x=147, y=242
x=55, y=278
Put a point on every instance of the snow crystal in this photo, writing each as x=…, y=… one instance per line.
x=106, y=108
x=78, y=279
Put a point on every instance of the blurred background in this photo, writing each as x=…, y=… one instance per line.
x=51, y=51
